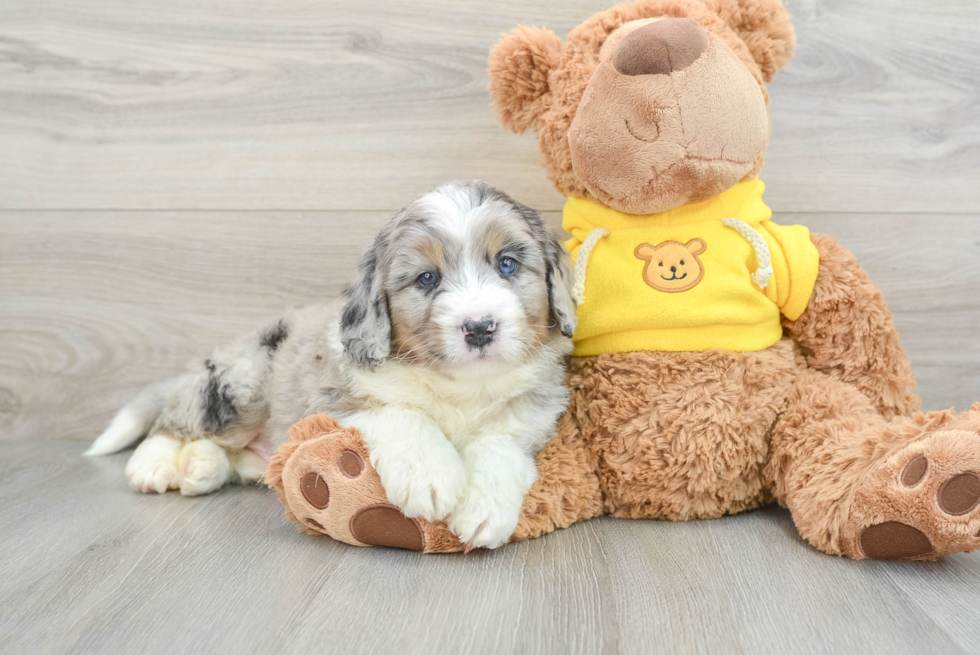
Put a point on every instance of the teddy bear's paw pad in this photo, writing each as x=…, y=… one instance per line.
x=915, y=470
x=315, y=525
x=385, y=525
x=960, y=494
x=350, y=464
x=315, y=490
x=894, y=540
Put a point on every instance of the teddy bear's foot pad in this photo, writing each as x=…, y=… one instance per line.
x=385, y=525
x=920, y=503
x=894, y=540
x=959, y=495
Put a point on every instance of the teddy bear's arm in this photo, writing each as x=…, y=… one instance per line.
x=848, y=331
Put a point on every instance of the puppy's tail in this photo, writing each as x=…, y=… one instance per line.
x=133, y=421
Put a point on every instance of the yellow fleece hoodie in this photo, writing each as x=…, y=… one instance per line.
x=714, y=274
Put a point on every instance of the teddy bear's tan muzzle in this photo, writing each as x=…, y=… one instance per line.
x=661, y=48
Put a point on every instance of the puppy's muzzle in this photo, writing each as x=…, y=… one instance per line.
x=478, y=334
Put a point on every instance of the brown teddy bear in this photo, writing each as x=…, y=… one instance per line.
x=722, y=361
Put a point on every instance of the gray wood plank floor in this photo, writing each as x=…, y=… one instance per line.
x=90, y=567
x=172, y=173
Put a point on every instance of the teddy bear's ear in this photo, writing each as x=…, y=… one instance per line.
x=696, y=246
x=644, y=251
x=764, y=26
x=519, y=66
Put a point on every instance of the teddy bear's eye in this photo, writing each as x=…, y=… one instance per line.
x=682, y=262
x=661, y=264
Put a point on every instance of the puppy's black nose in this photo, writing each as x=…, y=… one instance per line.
x=673, y=269
x=478, y=333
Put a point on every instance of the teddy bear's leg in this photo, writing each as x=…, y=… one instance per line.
x=847, y=332
x=567, y=488
x=324, y=477
x=866, y=487
x=681, y=436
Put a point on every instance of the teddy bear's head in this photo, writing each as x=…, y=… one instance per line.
x=648, y=105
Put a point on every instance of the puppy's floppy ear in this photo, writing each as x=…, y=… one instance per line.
x=558, y=274
x=764, y=26
x=365, y=327
x=519, y=66
x=560, y=286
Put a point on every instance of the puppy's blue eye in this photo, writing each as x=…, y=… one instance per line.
x=428, y=279
x=507, y=266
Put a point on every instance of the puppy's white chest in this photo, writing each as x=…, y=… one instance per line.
x=460, y=423
x=461, y=410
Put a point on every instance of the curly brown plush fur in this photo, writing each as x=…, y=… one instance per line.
x=848, y=332
x=519, y=75
x=764, y=27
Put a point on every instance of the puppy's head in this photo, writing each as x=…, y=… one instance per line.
x=463, y=276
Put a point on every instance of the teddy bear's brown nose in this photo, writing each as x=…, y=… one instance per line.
x=660, y=48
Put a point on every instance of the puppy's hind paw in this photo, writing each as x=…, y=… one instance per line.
x=204, y=467
x=152, y=468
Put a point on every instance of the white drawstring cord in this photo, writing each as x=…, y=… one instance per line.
x=758, y=242
x=582, y=262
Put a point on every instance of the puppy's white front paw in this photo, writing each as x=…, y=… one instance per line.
x=424, y=483
x=153, y=465
x=204, y=467
x=484, y=519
